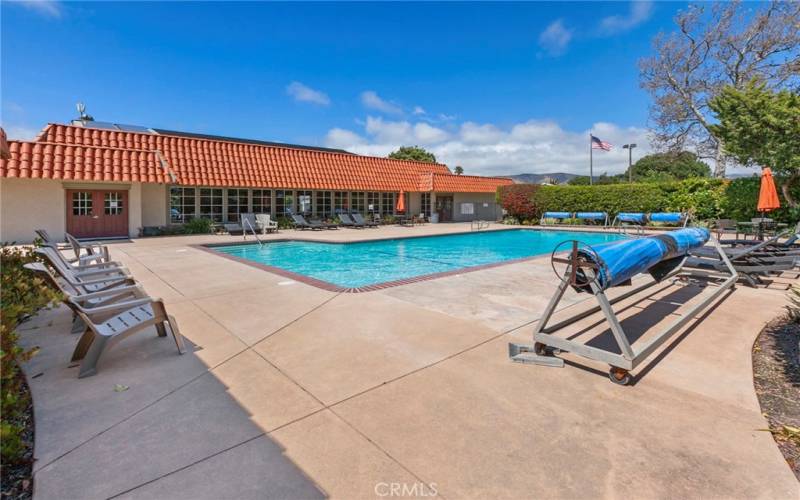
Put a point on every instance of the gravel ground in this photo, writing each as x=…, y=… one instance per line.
x=776, y=373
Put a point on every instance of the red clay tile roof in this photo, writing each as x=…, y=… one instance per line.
x=5, y=153
x=44, y=160
x=451, y=183
x=197, y=161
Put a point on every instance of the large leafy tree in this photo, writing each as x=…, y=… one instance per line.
x=413, y=153
x=761, y=127
x=669, y=166
x=717, y=44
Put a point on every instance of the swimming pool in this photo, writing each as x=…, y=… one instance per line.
x=376, y=264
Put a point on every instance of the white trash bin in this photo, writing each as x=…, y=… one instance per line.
x=434, y=218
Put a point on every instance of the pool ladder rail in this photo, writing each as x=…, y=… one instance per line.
x=477, y=225
x=252, y=230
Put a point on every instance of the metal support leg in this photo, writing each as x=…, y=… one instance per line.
x=89, y=363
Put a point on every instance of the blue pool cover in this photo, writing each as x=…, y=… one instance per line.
x=591, y=215
x=619, y=261
x=667, y=217
x=557, y=215
x=631, y=217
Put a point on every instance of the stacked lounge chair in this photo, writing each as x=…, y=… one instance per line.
x=301, y=223
x=753, y=262
x=108, y=304
x=359, y=219
x=348, y=221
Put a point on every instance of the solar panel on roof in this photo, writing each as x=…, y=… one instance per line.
x=133, y=128
x=98, y=125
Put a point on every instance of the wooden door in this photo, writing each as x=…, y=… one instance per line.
x=97, y=213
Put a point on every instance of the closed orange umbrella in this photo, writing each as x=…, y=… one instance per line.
x=768, y=196
x=401, y=203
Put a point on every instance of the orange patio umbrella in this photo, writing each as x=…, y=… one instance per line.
x=401, y=203
x=768, y=195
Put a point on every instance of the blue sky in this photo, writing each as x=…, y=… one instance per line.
x=497, y=88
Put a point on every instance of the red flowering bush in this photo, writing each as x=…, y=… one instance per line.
x=517, y=200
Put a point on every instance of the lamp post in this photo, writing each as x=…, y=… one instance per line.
x=630, y=147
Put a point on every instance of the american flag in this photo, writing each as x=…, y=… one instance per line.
x=598, y=144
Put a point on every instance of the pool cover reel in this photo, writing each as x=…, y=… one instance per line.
x=617, y=262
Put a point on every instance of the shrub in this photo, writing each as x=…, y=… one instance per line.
x=701, y=196
x=741, y=200
x=198, y=226
x=611, y=198
x=518, y=200
x=23, y=294
x=285, y=222
x=706, y=198
x=794, y=304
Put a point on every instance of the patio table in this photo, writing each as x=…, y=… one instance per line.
x=759, y=229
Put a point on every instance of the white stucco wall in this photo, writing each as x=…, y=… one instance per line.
x=154, y=205
x=28, y=204
x=491, y=212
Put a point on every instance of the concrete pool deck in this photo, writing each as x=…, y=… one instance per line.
x=292, y=391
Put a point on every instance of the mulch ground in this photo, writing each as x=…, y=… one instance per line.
x=16, y=482
x=776, y=373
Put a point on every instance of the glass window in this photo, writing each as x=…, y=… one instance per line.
x=112, y=203
x=284, y=202
x=387, y=203
x=304, y=202
x=323, y=208
x=181, y=204
x=357, y=202
x=426, y=204
x=340, y=202
x=262, y=201
x=374, y=202
x=237, y=204
x=211, y=204
x=82, y=203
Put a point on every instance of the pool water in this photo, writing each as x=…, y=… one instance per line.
x=353, y=265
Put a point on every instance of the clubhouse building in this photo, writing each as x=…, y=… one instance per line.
x=105, y=180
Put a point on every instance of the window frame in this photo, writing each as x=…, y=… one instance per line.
x=213, y=210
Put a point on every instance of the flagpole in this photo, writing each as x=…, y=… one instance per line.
x=591, y=174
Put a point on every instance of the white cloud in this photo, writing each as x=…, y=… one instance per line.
x=20, y=133
x=640, y=12
x=555, y=38
x=427, y=134
x=533, y=146
x=304, y=93
x=372, y=100
x=343, y=139
x=47, y=8
x=419, y=110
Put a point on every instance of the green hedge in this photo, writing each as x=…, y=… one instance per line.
x=707, y=199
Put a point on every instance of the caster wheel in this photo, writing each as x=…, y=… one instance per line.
x=620, y=376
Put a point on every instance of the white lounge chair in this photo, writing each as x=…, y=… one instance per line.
x=88, y=252
x=267, y=224
x=107, y=325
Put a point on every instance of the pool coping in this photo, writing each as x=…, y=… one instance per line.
x=331, y=287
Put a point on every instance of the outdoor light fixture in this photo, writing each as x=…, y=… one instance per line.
x=630, y=147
